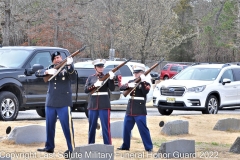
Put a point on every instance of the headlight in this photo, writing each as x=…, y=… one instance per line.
x=196, y=89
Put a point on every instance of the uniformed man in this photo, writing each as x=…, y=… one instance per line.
x=59, y=103
x=136, y=110
x=99, y=103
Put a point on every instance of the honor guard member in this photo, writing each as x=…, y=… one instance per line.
x=59, y=103
x=136, y=110
x=99, y=103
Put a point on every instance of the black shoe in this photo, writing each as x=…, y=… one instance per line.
x=98, y=126
x=45, y=150
x=149, y=150
x=120, y=148
x=67, y=154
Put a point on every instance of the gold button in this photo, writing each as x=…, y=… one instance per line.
x=55, y=83
x=54, y=87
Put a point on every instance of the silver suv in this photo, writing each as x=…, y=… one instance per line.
x=200, y=87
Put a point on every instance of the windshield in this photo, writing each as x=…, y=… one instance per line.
x=203, y=74
x=13, y=58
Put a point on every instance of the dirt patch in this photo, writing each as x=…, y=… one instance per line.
x=209, y=143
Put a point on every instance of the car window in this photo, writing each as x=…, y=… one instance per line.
x=110, y=66
x=236, y=73
x=174, y=68
x=42, y=58
x=125, y=71
x=179, y=68
x=13, y=58
x=227, y=74
x=165, y=67
x=204, y=74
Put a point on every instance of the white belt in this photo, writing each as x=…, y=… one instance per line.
x=137, y=98
x=99, y=93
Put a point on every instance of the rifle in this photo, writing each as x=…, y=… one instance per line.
x=106, y=76
x=138, y=80
x=62, y=64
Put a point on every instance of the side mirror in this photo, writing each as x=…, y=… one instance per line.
x=30, y=71
x=226, y=80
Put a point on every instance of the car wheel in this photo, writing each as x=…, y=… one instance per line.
x=9, y=106
x=165, y=111
x=211, y=106
x=41, y=112
x=165, y=77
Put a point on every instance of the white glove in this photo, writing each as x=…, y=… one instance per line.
x=131, y=85
x=111, y=74
x=69, y=60
x=51, y=71
x=98, y=83
x=143, y=77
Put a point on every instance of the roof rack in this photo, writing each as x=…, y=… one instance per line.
x=199, y=63
x=236, y=63
x=231, y=63
x=226, y=64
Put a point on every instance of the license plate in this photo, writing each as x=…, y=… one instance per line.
x=170, y=100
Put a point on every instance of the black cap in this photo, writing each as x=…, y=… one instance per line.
x=55, y=54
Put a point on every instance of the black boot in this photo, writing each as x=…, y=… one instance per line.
x=120, y=148
x=67, y=154
x=45, y=150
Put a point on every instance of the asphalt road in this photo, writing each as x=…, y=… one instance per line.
x=32, y=115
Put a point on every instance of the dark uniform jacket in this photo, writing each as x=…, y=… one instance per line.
x=136, y=106
x=99, y=101
x=59, y=93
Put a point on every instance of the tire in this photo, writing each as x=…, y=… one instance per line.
x=211, y=106
x=9, y=106
x=41, y=112
x=165, y=77
x=165, y=112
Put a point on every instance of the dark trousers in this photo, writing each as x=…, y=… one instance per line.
x=129, y=122
x=64, y=115
x=104, y=116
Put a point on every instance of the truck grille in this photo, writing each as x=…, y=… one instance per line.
x=172, y=91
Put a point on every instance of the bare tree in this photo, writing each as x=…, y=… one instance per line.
x=6, y=22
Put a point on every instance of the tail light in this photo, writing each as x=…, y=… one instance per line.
x=119, y=77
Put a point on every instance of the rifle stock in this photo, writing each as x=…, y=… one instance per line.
x=106, y=76
x=63, y=62
x=137, y=81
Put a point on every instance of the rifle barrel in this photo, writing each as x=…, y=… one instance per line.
x=128, y=91
x=63, y=62
x=106, y=76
